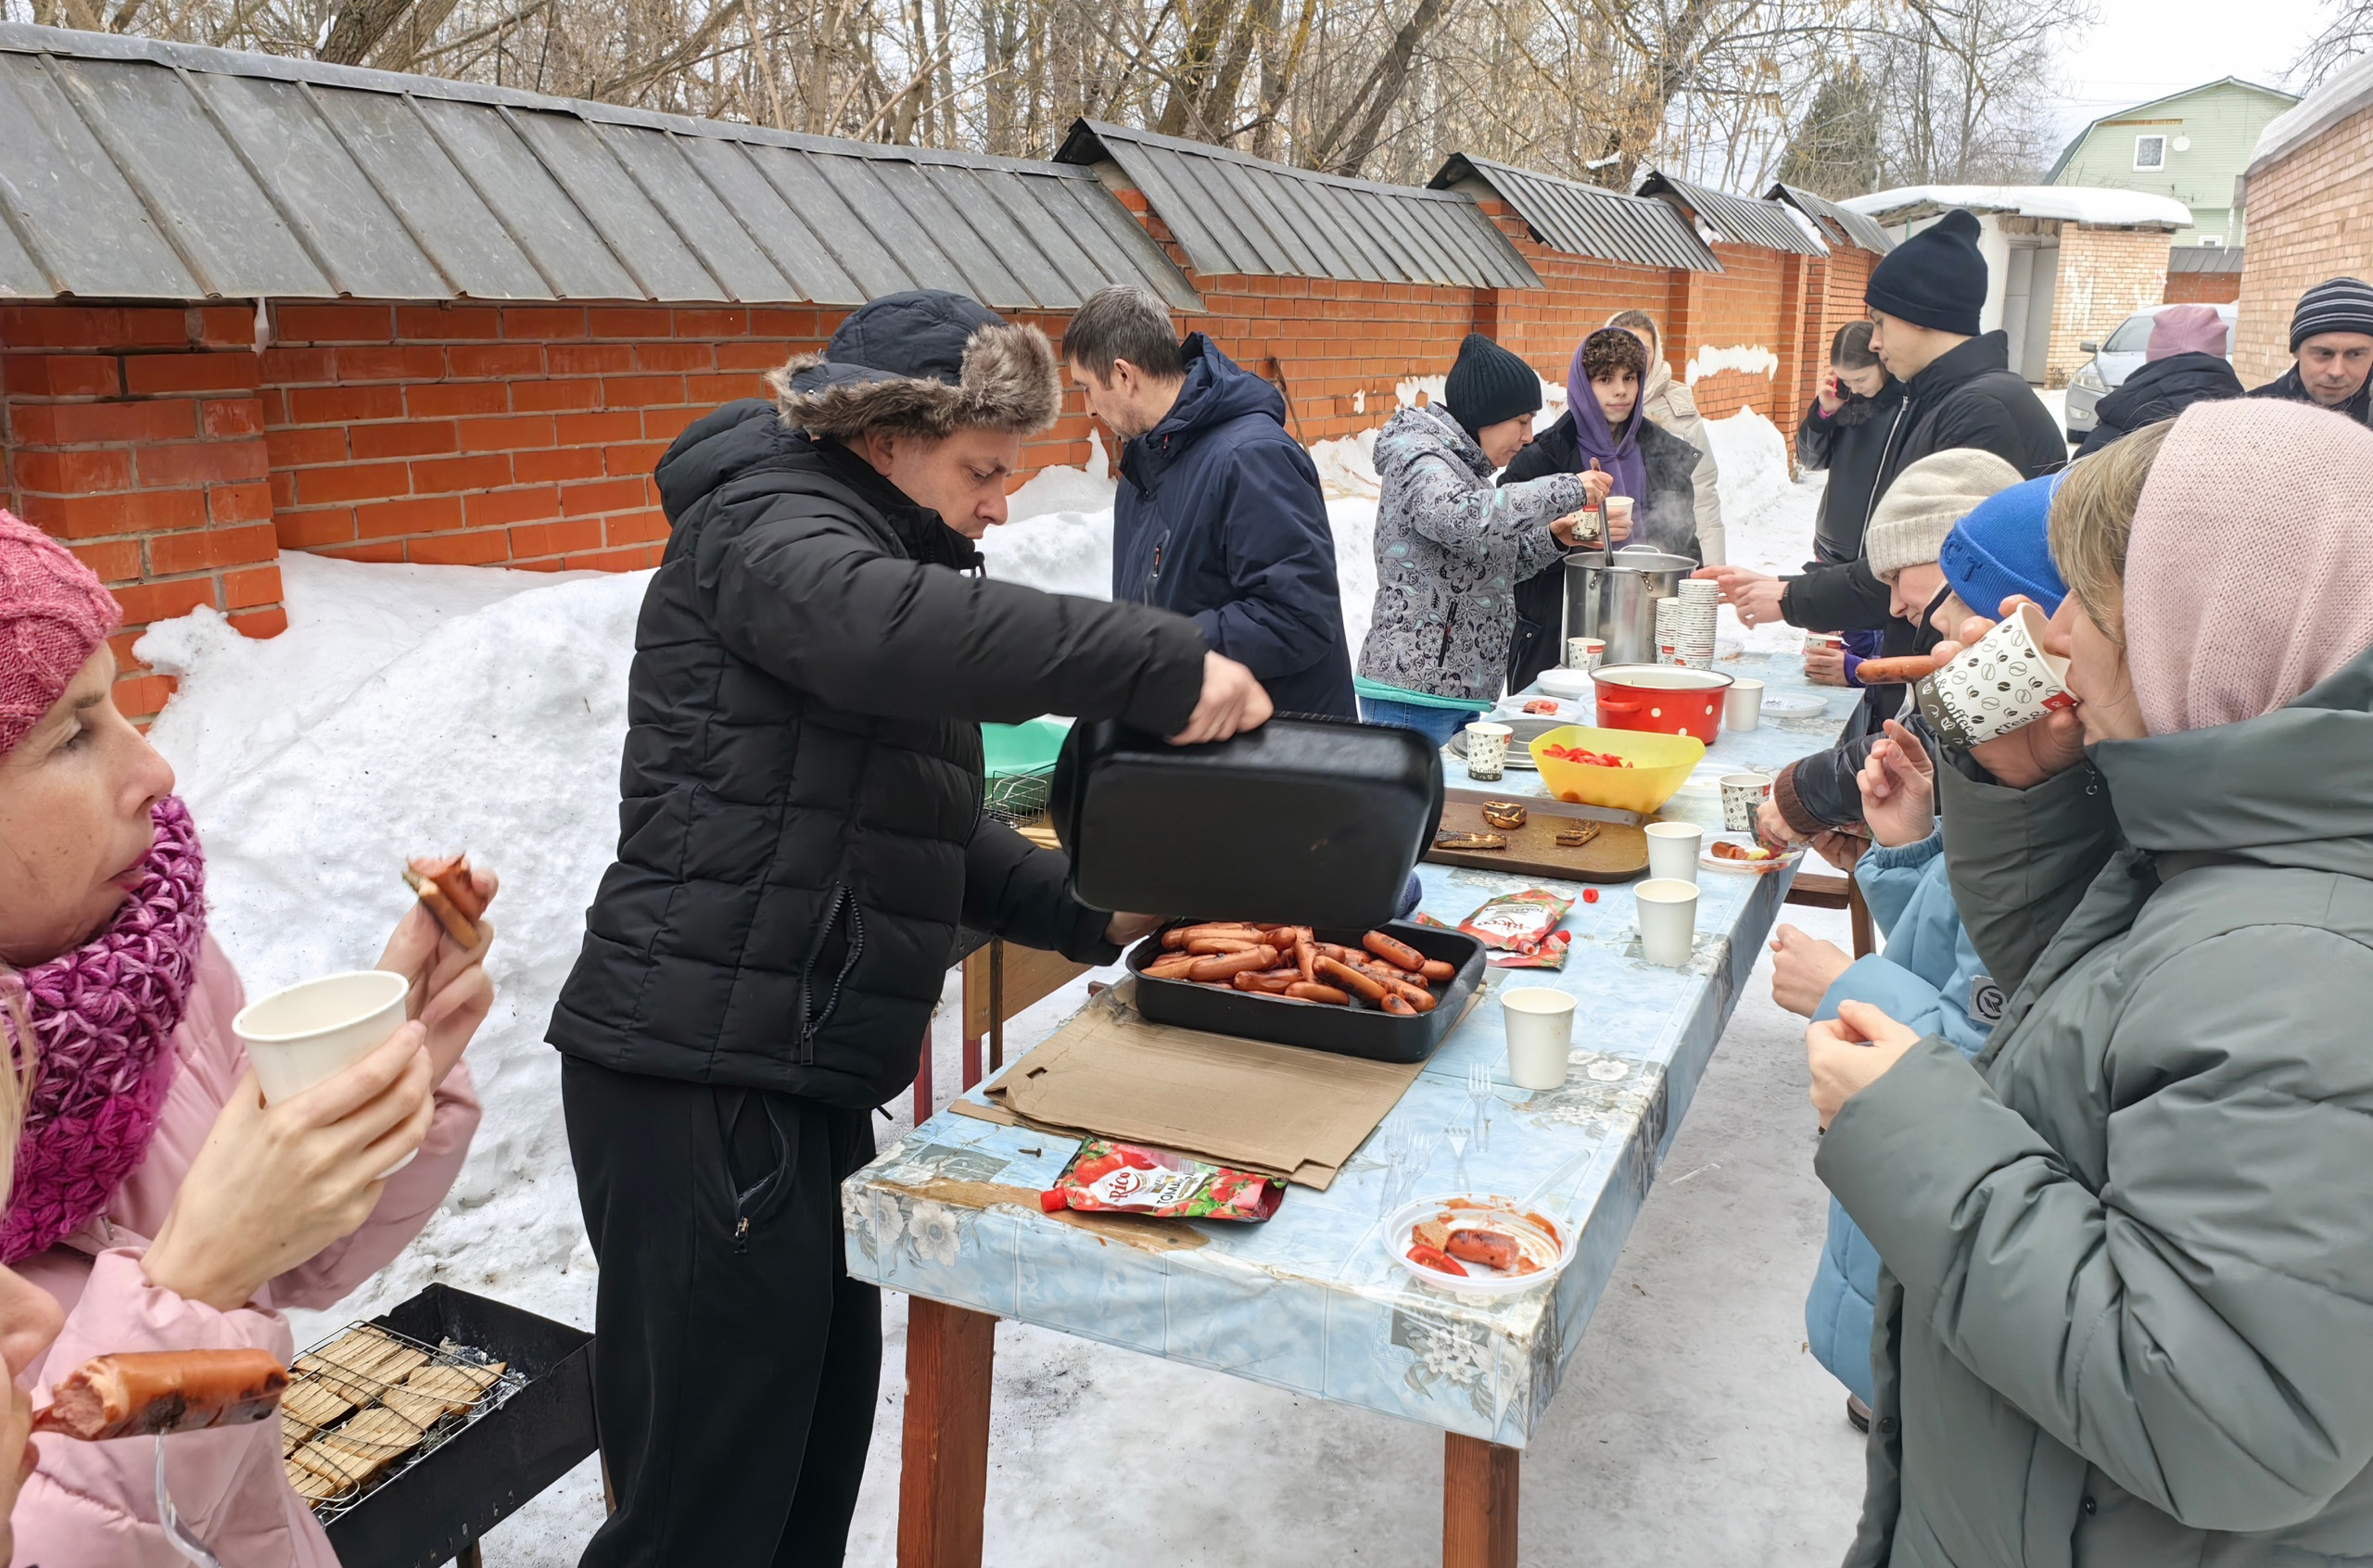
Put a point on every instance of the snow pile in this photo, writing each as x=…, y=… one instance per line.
x=1753, y=457
x=1068, y=489
x=1347, y=464
x=2080, y=204
x=492, y=725
x=1745, y=358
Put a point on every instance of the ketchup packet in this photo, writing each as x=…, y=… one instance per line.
x=1517, y=922
x=1107, y=1177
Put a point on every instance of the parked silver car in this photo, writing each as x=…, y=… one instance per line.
x=2116, y=358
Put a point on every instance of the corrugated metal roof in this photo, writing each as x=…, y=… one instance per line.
x=1235, y=214
x=2204, y=259
x=1737, y=219
x=1843, y=225
x=1587, y=220
x=136, y=169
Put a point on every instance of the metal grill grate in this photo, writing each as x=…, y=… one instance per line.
x=367, y=1404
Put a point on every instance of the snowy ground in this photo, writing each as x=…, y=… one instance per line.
x=1692, y=1427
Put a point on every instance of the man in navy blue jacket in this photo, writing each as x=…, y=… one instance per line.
x=1219, y=515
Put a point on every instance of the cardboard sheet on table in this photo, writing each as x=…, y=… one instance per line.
x=1278, y=1110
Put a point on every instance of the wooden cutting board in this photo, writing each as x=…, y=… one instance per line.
x=1618, y=853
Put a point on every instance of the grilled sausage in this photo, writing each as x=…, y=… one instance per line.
x=1358, y=980
x=1273, y=985
x=1439, y=971
x=1899, y=672
x=1305, y=954
x=1488, y=1247
x=1310, y=990
x=150, y=1393
x=1179, y=936
x=1206, y=947
x=1223, y=966
x=1398, y=954
x=1399, y=1005
x=443, y=883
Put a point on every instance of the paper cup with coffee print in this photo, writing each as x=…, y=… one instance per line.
x=2002, y=682
x=1487, y=750
x=1742, y=794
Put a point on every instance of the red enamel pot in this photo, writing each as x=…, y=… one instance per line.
x=1667, y=699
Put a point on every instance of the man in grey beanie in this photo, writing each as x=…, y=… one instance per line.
x=2331, y=350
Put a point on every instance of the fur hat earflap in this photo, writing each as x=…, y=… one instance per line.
x=925, y=364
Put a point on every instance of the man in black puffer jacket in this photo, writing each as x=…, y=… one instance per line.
x=1925, y=295
x=801, y=836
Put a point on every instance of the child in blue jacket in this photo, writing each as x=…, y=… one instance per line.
x=1928, y=975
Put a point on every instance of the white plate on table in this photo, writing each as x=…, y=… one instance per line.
x=1550, y=1244
x=1707, y=858
x=1793, y=704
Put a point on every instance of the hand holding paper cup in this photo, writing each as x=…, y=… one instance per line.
x=304, y=1033
x=2004, y=681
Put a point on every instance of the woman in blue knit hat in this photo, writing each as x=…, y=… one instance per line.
x=1928, y=975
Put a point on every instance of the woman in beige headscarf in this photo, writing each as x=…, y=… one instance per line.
x=1671, y=405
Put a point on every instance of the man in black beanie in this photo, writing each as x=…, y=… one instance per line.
x=2331, y=350
x=1926, y=297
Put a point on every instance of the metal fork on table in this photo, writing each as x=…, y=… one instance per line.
x=191, y=1550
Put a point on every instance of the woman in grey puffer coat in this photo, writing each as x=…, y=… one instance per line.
x=1450, y=548
x=2125, y=1318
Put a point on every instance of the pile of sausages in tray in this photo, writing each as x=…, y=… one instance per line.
x=1289, y=961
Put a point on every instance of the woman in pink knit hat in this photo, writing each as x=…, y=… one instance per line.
x=158, y=1203
x=2127, y=1291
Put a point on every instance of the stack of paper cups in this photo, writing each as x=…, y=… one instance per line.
x=1693, y=622
x=1669, y=649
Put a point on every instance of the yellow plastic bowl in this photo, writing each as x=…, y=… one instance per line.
x=1659, y=763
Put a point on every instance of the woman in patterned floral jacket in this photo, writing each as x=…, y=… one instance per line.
x=1450, y=548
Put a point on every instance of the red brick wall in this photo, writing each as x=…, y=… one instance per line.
x=1335, y=350
x=178, y=458
x=2311, y=218
x=2201, y=289
x=136, y=436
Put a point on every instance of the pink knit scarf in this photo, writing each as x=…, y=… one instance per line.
x=105, y=1016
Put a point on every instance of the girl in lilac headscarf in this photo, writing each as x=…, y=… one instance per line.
x=1604, y=431
x=158, y=1204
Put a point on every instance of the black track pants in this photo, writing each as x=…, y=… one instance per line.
x=736, y=1364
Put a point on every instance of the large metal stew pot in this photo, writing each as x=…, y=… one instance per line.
x=1668, y=699
x=1614, y=597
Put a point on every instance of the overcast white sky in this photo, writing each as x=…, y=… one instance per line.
x=2143, y=49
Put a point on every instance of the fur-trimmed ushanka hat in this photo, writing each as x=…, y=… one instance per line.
x=925, y=362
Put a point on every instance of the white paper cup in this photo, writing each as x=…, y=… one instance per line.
x=1667, y=920
x=1672, y=849
x=2004, y=681
x=1618, y=510
x=1742, y=792
x=1584, y=652
x=1487, y=750
x=1831, y=640
x=1541, y=1035
x=1742, y=709
x=306, y=1033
